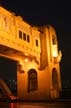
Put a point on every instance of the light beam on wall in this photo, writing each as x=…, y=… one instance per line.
x=55, y=54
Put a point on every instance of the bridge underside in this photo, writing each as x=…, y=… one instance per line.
x=10, y=53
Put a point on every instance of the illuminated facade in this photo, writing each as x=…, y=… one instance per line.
x=36, y=51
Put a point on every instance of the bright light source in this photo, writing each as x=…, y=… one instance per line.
x=26, y=60
x=55, y=54
x=26, y=54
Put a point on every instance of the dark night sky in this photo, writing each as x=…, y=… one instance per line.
x=54, y=12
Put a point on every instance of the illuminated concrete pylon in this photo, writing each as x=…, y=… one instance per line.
x=49, y=60
x=36, y=51
x=42, y=81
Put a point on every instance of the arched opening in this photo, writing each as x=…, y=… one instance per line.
x=54, y=78
x=32, y=80
x=8, y=73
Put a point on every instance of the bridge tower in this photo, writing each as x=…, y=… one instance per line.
x=35, y=49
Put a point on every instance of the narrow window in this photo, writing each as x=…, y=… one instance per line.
x=5, y=20
x=55, y=78
x=28, y=38
x=24, y=36
x=20, y=34
x=36, y=42
x=32, y=80
x=54, y=41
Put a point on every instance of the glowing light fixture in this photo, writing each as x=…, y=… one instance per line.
x=26, y=54
x=26, y=60
x=55, y=54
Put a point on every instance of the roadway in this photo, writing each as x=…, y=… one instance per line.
x=63, y=103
